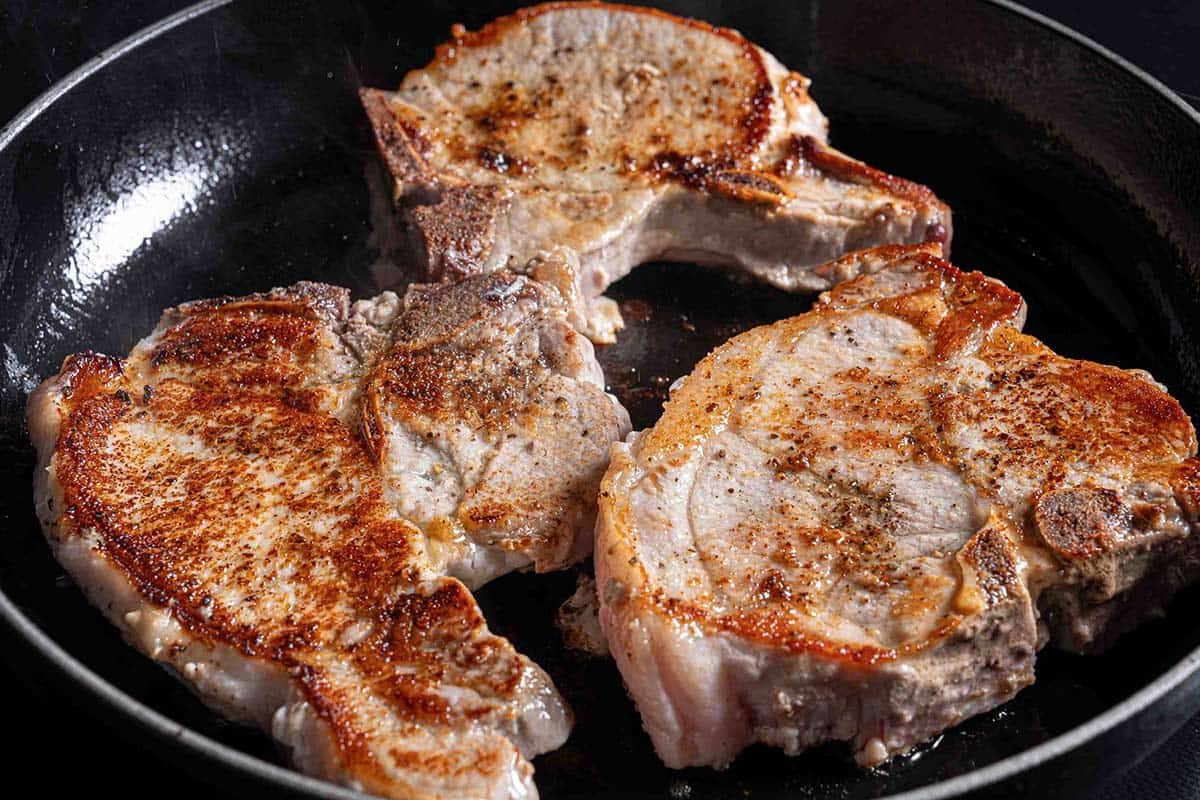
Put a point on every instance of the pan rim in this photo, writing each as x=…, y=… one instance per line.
x=155, y=722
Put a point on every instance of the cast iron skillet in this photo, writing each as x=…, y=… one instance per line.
x=223, y=151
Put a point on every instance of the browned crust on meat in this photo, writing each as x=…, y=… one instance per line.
x=440, y=382
x=1143, y=425
x=979, y=305
x=749, y=187
x=956, y=309
x=751, y=128
x=274, y=338
x=150, y=553
x=313, y=300
x=777, y=628
x=990, y=576
x=718, y=175
x=265, y=344
x=86, y=374
x=454, y=215
x=1186, y=484
x=461, y=38
x=865, y=262
x=960, y=313
x=165, y=521
x=404, y=147
x=429, y=372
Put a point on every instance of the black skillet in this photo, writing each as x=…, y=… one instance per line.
x=222, y=151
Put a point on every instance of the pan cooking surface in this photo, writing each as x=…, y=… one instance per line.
x=228, y=155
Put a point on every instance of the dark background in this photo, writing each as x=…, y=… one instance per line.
x=65, y=747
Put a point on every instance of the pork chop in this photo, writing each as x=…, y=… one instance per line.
x=213, y=496
x=625, y=135
x=862, y=522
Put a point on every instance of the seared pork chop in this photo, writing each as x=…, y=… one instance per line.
x=861, y=523
x=213, y=497
x=625, y=135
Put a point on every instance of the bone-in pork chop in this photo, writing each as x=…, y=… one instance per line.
x=862, y=522
x=625, y=135
x=213, y=497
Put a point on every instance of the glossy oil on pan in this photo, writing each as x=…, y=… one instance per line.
x=223, y=151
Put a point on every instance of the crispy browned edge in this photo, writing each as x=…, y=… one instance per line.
x=753, y=126
x=403, y=147
x=97, y=395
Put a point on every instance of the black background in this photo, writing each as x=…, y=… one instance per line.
x=65, y=748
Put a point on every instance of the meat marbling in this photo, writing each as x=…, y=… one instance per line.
x=624, y=135
x=213, y=497
x=862, y=522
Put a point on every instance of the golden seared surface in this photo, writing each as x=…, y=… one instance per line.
x=861, y=523
x=857, y=481
x=590, y=88
x=600, y=96
x=187, y=482
x=255, y=341
x=306, y=344
x=1044, y=421
x=213, y=495
x=625, y=135
x=263, y=527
